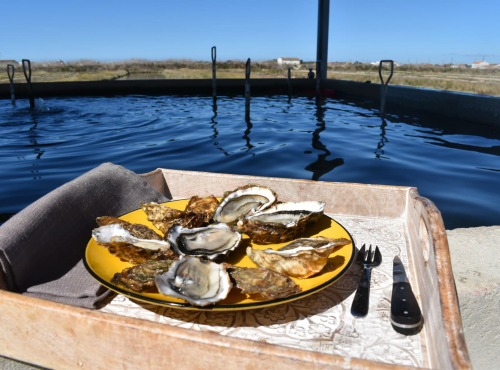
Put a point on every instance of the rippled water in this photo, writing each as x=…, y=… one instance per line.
x=455, y=164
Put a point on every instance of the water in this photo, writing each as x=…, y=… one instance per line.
x=455, y=164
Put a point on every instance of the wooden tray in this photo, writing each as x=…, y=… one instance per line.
x=60, y=336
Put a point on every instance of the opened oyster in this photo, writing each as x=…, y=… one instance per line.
x=301, y=258
x=137, y=230
x=282, y=222
x=268, y=283
x=209, y=241
x=198, y=281
x=122, y=243
x=242, y=200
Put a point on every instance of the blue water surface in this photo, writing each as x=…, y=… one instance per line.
x=453, y=163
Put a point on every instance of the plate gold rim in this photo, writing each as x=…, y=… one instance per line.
x=216, y=307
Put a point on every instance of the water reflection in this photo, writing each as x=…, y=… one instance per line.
x=379, y=152
x=322, y=165
x=247, y=132
x=214, y=122
x=33, y=136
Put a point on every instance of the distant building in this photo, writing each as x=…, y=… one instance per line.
x=480, y=64
x=289, y=61
x=396, y=64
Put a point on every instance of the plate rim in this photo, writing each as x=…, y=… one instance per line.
x=221, y=307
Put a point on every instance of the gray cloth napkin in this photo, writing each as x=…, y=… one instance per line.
x=41, y=247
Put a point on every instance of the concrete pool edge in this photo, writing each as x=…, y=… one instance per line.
x=476, y=108
x=478, y=297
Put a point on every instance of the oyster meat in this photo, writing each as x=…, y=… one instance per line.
x=268, y=283
x=209, y=241
x=282, y=222
x=301, y=258
x=141, y=278
x=122, y=243
x=245, y=199
x=200, y=282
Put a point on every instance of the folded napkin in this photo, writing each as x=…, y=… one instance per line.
x=41, y=247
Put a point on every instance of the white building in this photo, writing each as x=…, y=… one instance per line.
x=289, y=61
x=480, y=64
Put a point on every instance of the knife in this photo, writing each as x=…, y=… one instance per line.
x=406, y=317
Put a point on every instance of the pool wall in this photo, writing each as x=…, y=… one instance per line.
x=482, y=109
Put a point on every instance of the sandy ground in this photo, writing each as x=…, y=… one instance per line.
x=474, y=256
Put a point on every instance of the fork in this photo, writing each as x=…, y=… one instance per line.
x=368, y=260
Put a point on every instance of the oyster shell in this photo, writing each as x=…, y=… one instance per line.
x=301, y=258
x=248, y=198
x=205, y=206
x=209, y=241
x=268, y=283
x=141, y=278
x=116, y=233
x=163, y=217
x=122, y=243
x=137, y=230
x=198, y=281
x=282, y=222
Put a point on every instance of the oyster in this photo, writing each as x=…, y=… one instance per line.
x=137, y=230
x=209, y=241
x=282, y=222
x=237, y=203
x=122, y=243
x=205, y=206
x=268, y=283
x=301, y=258
x=198, y=281
x=163, y=217
x=141, y=278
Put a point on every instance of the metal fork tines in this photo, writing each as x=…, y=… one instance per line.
x=368, y=260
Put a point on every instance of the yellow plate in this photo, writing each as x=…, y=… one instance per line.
x=102, y=266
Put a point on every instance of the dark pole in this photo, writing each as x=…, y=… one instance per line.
x=214, y=71
x=322, y=47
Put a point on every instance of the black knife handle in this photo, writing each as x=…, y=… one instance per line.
x=361, y=300
x=406, y=317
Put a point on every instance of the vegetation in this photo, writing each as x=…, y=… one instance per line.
x=445, y=77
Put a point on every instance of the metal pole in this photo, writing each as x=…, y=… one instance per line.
x=10, y=73
x=27, y=74
x=247, y=89
x=214, y=76
x=383, y=84
x=322, y=46
x=289, y=81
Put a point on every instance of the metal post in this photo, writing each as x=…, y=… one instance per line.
x=383, y=84
x=27, y=74
x=214, y=75
x=247, y=78
x=322, y=46
x=289, y=81
x=10, y=73
x=247, y=89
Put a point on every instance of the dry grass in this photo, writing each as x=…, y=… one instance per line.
x=442, y=77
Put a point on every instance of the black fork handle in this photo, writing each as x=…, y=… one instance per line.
x=361, y=300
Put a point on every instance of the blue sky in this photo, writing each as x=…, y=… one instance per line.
x=439, y=31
